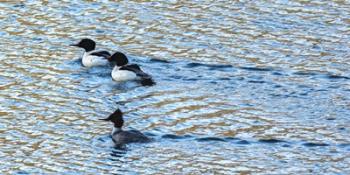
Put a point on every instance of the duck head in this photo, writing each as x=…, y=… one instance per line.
x=116, y=118
x=119, y=59
x=86, y=43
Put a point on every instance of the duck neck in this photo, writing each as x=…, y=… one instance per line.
x=85, y=54
x=116, y=130
x=116, y=68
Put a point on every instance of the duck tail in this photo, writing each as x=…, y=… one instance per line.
x=147, y=82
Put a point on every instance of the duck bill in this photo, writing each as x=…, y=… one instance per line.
x=104, y=119
x=76, y=45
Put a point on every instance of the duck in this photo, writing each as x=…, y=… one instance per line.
x=92, y=57
x=123, y=71
x=121, y=137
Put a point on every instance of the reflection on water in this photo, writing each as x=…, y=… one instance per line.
x=246, y=87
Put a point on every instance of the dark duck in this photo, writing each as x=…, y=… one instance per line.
x=121, y=137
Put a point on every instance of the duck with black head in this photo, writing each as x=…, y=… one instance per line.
x=123, y=71
x=121, y=137
x=92, y=57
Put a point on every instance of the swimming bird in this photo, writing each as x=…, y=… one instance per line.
x=121, y=137
x=92, y=57
x=123, y=71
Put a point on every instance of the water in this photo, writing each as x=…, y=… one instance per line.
x=245, y=87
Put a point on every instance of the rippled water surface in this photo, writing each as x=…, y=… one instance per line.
x=244, y=87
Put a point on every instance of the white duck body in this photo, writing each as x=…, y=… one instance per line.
x=89, y=60
x=123, y=75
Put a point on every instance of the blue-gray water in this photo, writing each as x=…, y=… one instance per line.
x=249, y=87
